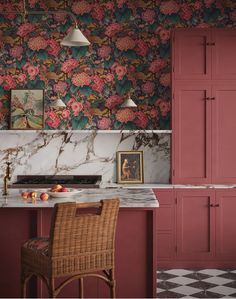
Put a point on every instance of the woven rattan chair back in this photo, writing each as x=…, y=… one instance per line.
x=81, y=243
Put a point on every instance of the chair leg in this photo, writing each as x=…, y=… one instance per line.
x=81, y=288
x=51, y=290
x=112, y=284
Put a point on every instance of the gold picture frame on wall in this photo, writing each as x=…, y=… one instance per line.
x=130, y=167
x=27, y=109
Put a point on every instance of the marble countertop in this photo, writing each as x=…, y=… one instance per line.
x=165, y=186
x=130, y=198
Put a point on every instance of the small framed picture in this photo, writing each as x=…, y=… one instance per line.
x=27, y=109
x=130, y=167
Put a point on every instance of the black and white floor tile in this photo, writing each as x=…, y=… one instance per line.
x=207, y=283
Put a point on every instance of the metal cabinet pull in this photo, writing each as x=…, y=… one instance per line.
x=213, y=98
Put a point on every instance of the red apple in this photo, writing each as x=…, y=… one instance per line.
x=64, y=189
x=44, y=196
x=25, y=195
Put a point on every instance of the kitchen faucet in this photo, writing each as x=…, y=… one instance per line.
x=7, y=178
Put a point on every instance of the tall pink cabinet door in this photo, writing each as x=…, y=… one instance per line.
x=195, y=224
x=226, y=224
x=191, y=148
x=223, y=133
x=224, y=53
x=191, y=54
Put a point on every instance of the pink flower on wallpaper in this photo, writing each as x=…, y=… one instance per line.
x=148, y=87
x=71, y=101
x=153, y=41
x=141, y=48
x=9, y=82
x=81, y=7
x=104, y=51
x=125, y=43
x=32, y=3
x=65, y=113
x=53, y=47
x=164, y=35
x=98, y=84
x=32, y=71
x=25, y=29
x=22, y=78
x=125, y=115
x=157, y=65
x=141, y=119
x=208, y=3
x=97, y=12
x=153, y=113
x=60, y=87
x=185, y=12
x=165, y=79
x=110, y=5
x=60, y=17
x=233, y=15
x=110, y=78
x=121, y=71
x=76, y=107
x=169, y=7
x=53, y=120
x=104, y=123
x=148, y=15
x=197, y=5
x=81, y=79
x=164, y=107
x=113, y=29
x=16, y=52
x=7, y=8
x=69, y=65
x=37, y=43
x=120, y=3
x=113, y=101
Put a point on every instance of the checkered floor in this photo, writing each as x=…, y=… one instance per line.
x=208, y=283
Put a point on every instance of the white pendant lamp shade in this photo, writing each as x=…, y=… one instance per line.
x=57, y=103
x=75, y=39
x=129, y=103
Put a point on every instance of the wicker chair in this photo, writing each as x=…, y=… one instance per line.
x=81, y=244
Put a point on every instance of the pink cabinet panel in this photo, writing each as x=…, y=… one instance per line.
x=223, y=53
x=195, y=224
x=165, y=246
x=223, y=132
x=226, y=224
x=191, y=133
x=191, y=54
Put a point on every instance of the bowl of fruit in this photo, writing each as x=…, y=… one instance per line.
x=61, y=191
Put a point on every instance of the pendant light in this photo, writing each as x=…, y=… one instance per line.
x=75, y=39
x=129, y=103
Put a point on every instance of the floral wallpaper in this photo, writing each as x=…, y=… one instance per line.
x=129, y=54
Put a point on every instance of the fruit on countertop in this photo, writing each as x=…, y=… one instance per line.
x=25, y=195
x=44, y=196
x=56, y=188
x=33, y=194
x=64, y=189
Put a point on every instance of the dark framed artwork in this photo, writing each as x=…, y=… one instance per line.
x=130, y=167
x=27, y=109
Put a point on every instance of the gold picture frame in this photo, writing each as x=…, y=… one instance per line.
x=130, y=167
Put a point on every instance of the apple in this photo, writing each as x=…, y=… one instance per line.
x=56, y=188
x=64, y=189
x=33, y=194
x=25, y=195
x=44, y=196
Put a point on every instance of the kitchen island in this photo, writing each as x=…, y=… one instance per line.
x=135, y=242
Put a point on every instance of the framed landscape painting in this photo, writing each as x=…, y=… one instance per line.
x=130, y=167
x=27, y=109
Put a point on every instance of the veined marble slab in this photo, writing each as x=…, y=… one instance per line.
x=129, y=198
x=68, y=153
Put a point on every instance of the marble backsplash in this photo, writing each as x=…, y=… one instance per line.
x=34, y=153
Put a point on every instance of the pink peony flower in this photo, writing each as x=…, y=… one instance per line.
x=71, y=101
x=60, y=87
x=125, y=115
x=113, y=101
x=113, y=29
x=125, y=43
x=110, y=5
x=169, y=7
x=98, y=84
x=110, y=77
x=69, y=65
x=76, y=107
x=104, y=123
x=54, y=47
x=141, y=48
x=148, y=15
x=81, y=7
x=164, y=107
x=164, y=35
x=185, y=12
x=9, y=82
x=157, y=65
x=97, y=12
x=104, y=51
x=32, y=71
x=60, y=17
x=22, y=78
x=148, y=87
x=141, y=119
x=121, y=71
x=165, y=79
x=81, y=79
x=53, y=120
x=37, y=43
x=16, y=52
x=25, y=29
x=65, y=113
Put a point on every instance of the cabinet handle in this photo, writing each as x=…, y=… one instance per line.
x=210, y=44
x=213, y=98
x=211, y=205
x=207, y=98
x=217, y=205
